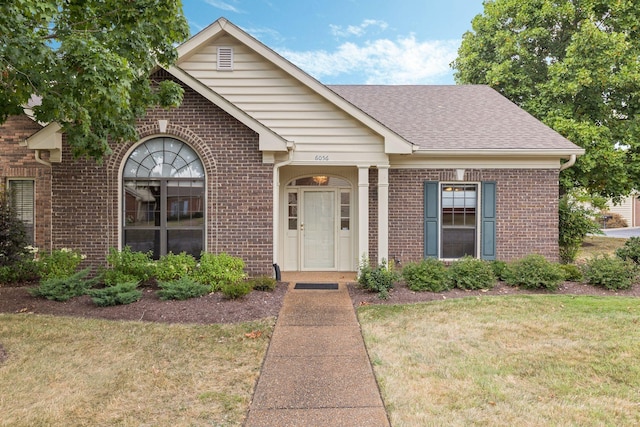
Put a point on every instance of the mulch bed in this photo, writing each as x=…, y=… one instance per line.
x=214, y=308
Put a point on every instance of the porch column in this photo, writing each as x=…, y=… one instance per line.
x=383, y=213
x=363, y=212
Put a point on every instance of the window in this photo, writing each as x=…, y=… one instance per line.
x=22, y=193
x=163, y=182
x=459, y=220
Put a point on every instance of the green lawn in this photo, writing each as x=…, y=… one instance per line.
x=506, y=361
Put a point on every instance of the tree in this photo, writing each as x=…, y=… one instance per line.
x=574, y=65
x=89, y=62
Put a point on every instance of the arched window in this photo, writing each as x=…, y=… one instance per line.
x=163, y=198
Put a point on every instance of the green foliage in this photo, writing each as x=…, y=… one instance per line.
x=471, y=273
x=572, y=272
x=630, y=250
x=219, y=270
x=89, y=62
x=236, y=290
x=430, y=274
x=127, y=266
x=63, y=288
x=379, y=279
x=573, y=65
x=172, y=266
x=610, y=272
x=575, y=222
x=25, y=270
x=59, y=263
x=122, y=293
x=263, y=283
x=13, y=238
x=499, y=267
x=181, y=289
x=534, y=272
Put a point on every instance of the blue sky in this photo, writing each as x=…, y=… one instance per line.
x=352, y=41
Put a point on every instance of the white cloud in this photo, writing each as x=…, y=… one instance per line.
x=357, y=30
x=219, y=4
x=382, y=61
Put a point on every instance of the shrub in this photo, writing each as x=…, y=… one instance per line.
x=25, y=270
x=236, y=290
x=172, y=266
x=122, y=293
x=575, y=222
x=181, y=289
x=128, y=264
x=630, y=250
x=534, y=272
x=572, y=273
x=263, y=283
x=219, y=270
x=499, y=267
x=379, y=279
x=59, y=263
x=430, y=274
x=13, y=237
x=610, y=272
x=471, y=273
x=614, y=220
x=63, y=288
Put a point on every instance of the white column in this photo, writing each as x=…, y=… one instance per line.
x=363, y=212
x=383, y=213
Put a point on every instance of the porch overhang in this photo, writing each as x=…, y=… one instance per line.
x=49, y=138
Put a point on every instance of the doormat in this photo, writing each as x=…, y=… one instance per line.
x=321, y=286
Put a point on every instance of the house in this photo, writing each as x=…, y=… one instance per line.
x=264, y=162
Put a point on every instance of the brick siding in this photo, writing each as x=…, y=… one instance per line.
x=527, y=210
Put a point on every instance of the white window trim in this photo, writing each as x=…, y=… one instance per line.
x=478, y=216
x=33, y=180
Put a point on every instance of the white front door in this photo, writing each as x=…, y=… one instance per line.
x=318, y=229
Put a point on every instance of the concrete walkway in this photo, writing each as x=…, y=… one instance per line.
x=316, y=371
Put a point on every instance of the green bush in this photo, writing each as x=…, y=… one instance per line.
x=13, y=237
x=379, y=279
x=122, y=293
x=630, y=250
x=471, y=273
x=534, y=272
x=430, y=274
x=499, y=268
x=572, y=273
x=236, y=290
x=610, y=272
x=63, y=288
x=181, y=289
x=128, y=264
x=575, y=222
x=219, y=270
x=59, y=263
x=263, y=283
x=25, y=270
x=172, y=266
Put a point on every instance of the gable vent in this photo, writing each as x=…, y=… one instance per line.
x=225, y=58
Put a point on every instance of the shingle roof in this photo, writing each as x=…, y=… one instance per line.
x=464, y=117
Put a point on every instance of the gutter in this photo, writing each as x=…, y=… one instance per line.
x=276, y=205
x=40, y=159
x=568, y=164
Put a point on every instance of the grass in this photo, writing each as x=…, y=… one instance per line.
x=598, y=245
x=503, y=361
x=73, y=372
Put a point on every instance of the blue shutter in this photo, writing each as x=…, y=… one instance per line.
x=488, y=227
x=431, y=226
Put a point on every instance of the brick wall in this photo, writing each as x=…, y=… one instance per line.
x=239, y=186
x=527, y=210
x=19, y=162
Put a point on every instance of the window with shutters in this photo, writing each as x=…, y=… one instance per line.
x=22, y=193
x=459, y=220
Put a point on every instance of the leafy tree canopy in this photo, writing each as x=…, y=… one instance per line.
x=575, y=65
x=89, y=62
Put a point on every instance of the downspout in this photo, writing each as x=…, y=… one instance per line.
x=40, y=159
x=276, y=206
x=569, y=163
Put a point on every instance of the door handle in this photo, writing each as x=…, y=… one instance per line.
x=302, y=226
